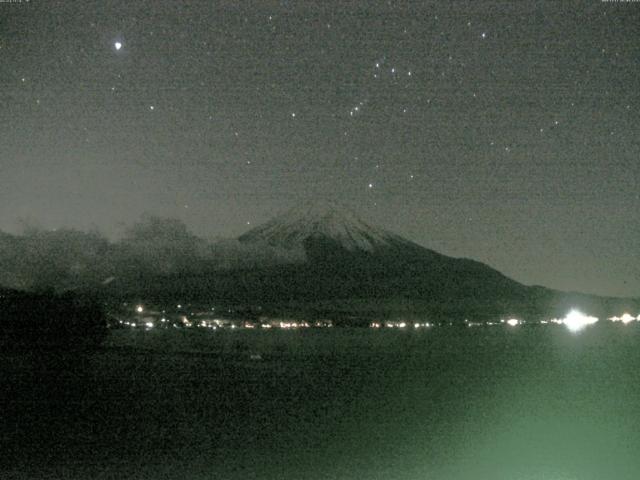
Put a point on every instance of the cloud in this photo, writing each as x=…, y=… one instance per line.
x=154, y=246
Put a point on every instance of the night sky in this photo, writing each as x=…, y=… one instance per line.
x=504, y=132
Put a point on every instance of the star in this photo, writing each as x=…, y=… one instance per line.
x=117, y=45
x=484, y=35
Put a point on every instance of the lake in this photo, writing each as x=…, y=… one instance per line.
x=527, y=402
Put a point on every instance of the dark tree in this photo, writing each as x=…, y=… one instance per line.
x=46, y=320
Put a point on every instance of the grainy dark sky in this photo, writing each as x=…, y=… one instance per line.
x=507, y=132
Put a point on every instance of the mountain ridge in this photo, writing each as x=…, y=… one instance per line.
x=322, y=219
x=313, y=259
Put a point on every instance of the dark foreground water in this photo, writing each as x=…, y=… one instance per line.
x=451, y=403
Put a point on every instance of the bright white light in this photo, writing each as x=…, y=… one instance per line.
x=626, y=318
x=512, y=322
x=139, y=309
x=118, y=45
x=576, y=320
x=149, y=324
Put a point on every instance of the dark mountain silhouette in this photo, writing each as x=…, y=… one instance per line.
x=317, y=259
x=346, y=268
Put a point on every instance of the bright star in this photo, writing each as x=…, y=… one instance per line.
x=118, y=45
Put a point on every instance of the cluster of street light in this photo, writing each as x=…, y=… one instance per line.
x=574, y=321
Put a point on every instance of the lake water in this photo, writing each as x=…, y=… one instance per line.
x=446, y=403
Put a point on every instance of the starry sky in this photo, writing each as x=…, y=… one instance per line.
x=507, y=132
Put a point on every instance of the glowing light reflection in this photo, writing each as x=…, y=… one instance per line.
x=576, y=320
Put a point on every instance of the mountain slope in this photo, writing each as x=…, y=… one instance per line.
x=345, y=268
x=321, y=220
x=327, y=233
x=349, y=260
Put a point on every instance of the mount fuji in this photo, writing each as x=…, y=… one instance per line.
x=322, y=260
x=351, y=262
x=322, y=220
x=351, y=268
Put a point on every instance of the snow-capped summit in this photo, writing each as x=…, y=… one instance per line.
x=321, y=220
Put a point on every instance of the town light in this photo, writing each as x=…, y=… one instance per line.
x=576, y=320
x=626, y=318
